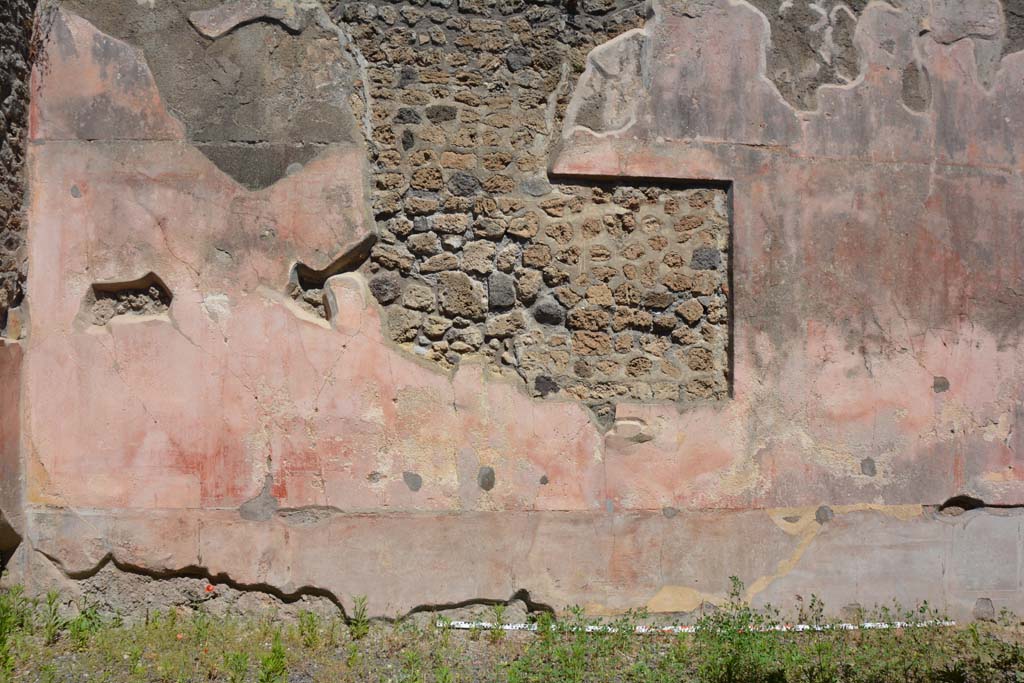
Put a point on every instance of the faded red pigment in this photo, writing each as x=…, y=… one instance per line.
x=877, y=370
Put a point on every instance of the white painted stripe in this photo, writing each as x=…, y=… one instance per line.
x=595, y=628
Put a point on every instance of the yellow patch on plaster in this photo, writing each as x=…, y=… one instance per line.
x=786, y=565
x=808, y=528
x=900, y=512
x=678, y=599
x=596, y=609
x=1007, y=475
x=673, y=598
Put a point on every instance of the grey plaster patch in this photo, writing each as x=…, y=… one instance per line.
x=256, y=99
x=229, y=15
x=261, y=165
x=485, y=478
x=824, y=514
x=984, y=610
x=306, y=516
x=262, y=507
x=412, y=480
x=916, y=90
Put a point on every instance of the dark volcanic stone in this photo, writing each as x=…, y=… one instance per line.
x=518, y=58
x=407, y=115
x=439, y=113
x=463, y=184
x=706, y=258
x=501, y=290
x=549, y=312
x=385, y=288
x=545, y=385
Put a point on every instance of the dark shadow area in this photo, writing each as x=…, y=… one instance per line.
x=961, y=503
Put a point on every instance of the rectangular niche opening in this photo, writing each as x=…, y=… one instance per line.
x=664, y=250
x=602, y=291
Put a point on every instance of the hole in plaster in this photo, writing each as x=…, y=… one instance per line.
x=521, y=595
x=146, y=296
x=10, y=539
x=957, y=505
x=306, y=284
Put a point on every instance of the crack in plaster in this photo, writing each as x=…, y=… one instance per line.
x=197, y=571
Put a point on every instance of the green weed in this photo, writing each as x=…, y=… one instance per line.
x=359, y=624
x=309, y=629
x=83, y=625
x=273, y=665
x=497, y=620
x=237, y=666
x=733, y=644
x=53, y=623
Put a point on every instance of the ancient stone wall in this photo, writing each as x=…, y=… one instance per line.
x=16, y=19
x=600, y=293
x=442, y=302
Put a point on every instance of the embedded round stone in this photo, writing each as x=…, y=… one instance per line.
x=549, y=312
